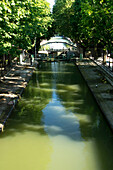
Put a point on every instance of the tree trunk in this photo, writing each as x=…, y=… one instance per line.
x=99, y=52
x=93, y=52
x=4, y=63
x=81, y=53
x=109, y=57
x=104, y=57
x=9, y=59
x=84, y=50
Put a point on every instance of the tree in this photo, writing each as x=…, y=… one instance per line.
x=62, y=12
x=21, y=22
x=89, y=22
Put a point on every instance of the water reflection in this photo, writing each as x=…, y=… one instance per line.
x=57, y=122
x=57, y=125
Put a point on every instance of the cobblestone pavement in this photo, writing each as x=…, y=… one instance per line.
x=100, y=82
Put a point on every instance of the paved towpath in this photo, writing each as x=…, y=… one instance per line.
x=100, y=82
x=11, y=88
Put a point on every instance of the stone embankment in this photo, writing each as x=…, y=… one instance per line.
x=100, y=82
x=11, y=88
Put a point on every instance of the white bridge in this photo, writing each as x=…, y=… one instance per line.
x=58, y=43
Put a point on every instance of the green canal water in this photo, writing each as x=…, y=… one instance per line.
x=57, y=125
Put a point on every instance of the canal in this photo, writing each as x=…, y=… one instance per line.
x=57, y=125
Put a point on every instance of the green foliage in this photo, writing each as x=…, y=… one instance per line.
x=20, y=22
x=62, y=12
x=88, y=22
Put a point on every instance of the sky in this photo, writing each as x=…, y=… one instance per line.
x=51, y=3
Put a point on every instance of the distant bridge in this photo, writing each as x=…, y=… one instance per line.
x=52, y=50
x=51, y=42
